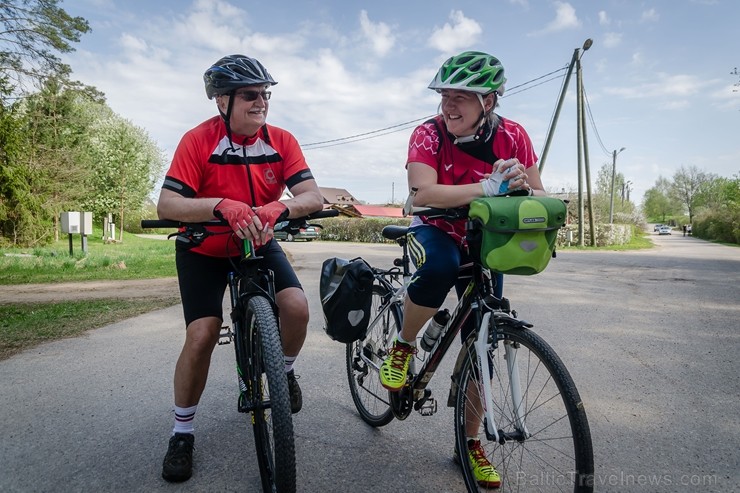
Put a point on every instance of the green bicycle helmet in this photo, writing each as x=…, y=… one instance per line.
x=473, y=71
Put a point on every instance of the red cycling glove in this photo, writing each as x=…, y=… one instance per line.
x=272, y=213
x=238, y=214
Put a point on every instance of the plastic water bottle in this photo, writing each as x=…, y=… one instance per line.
x=436, y=324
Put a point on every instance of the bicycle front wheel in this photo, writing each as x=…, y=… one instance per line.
x=272, y=421
x=544, y=439
x=364, y=358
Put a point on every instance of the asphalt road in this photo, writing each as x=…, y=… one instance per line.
x=650, y=337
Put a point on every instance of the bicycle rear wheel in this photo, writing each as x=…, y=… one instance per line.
x=364, y=358
x=545, y=441
x=272, y=421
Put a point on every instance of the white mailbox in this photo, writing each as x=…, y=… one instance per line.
x=71, y=222
x=86, y=221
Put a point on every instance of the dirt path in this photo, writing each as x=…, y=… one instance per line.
x=135, y=288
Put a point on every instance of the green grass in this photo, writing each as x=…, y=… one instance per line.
x=640, y=240
x=134, y=258
x=24, y=325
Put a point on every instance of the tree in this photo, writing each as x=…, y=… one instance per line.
x=19, y=207
x=658, y=201
x=687, y=183
x=31, y=32
x=126, y=164
x=57, y=156
x=604, y=190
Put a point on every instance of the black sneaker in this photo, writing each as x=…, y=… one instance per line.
x=178, y=463
x=296, y=398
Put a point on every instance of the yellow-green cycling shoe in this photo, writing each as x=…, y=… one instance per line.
x=483, y=470
x=395, y=367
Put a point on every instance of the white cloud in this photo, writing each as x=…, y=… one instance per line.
x=604, y=18
x=665, y=86
x=154, y=78
x=565, y=19
x=379, y=34
x=612, y=40
x=649, y=16
x=461, y=33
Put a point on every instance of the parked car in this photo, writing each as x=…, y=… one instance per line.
x=664, y=230
x=657, y=227
x=308, y=233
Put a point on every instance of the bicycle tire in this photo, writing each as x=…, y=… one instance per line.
x=272, y=421
x=557, y=455
x=365, y=356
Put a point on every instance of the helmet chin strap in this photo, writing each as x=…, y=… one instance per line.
x=227, y=118
x=480, y=130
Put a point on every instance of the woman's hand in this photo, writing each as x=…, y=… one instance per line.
x=515, y=172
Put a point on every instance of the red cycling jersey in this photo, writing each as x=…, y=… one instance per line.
x=431, y=144
x=254, y=170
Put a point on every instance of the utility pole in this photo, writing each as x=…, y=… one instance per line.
x=551, y=131
x=581, y=138
x=614, y=174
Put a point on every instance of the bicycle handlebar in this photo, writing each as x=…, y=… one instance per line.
x=169, y=223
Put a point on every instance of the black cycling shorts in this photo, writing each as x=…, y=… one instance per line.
x=203, y=279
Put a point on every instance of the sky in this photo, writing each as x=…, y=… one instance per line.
x=658, y=78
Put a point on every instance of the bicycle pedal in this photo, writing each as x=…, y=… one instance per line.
x=428, y=408
x=225, y=336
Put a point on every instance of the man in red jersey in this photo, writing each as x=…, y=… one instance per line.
x=233, y=167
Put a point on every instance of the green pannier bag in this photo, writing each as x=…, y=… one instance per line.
x=518, y=233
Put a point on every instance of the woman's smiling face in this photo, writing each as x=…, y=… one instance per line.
x=462, y=110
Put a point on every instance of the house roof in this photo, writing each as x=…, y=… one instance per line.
x=337, y=196
x=378, y=211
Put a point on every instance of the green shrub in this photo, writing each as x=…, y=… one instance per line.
x=361, y=230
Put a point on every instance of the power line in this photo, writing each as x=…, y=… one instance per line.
x=411, y=123
x=593, y=123
x=353, y=138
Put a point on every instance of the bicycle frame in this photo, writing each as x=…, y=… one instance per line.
x=479, y=301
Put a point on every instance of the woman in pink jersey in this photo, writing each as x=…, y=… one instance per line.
x=465, y=152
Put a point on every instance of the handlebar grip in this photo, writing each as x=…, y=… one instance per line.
x=159, y=223
x=323, y=214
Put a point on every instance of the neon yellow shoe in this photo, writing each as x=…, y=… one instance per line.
x=483, y=470
x=395, y=367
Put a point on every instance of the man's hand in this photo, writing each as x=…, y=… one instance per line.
x=240, y=217
x=272, y=213
x=269, y=215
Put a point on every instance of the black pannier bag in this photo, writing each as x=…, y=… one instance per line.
x=346, y=288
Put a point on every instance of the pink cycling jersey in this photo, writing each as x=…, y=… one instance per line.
x=432, y=145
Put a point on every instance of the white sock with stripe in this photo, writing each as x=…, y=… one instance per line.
x=184, y=417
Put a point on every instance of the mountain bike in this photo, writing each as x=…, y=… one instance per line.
x=260, y=367
x=534, y=426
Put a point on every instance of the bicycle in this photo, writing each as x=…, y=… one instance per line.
x=534, y=426
x=255, y=332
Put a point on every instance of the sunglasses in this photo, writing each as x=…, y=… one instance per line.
x=253, y=95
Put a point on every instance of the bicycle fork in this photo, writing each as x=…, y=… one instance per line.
x=481, y=350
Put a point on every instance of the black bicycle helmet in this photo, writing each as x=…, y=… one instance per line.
x=235, y=71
